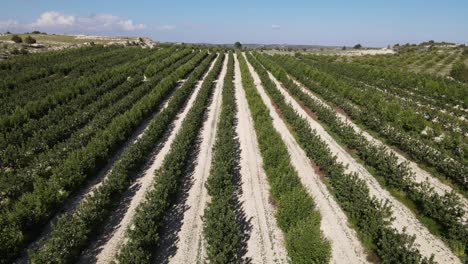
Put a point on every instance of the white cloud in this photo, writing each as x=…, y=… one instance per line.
x=54, y=19
x=9, y=24
x=275, y=26
x=166, y=27
x=98, y=21
x=129, y=26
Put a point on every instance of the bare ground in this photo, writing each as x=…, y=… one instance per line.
x=420, y=175
x=265, y=242
x=190, y=244
x=91, y=185
x=426, y=242
x=346, y=247
x=104, y=249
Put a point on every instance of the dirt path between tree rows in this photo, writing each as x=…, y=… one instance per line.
x=190, y=244
x=96, y=181
x=346, y=247
x=105, y=248
x=426, y=242
x=420, y=175
x=265, y=243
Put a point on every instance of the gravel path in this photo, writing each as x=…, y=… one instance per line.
x=420, y=175
x=425, y=241
x=265, y=243
x=106, y=247
x=190, y=246
x=346, y=247
x=95, y=182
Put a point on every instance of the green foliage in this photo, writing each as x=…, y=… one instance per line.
x=305, y=244
x=357, y=46
x=29, y=40
x=221, y=231
x=459, y=72
x=88, y=219
x=238, y=45
x=149, y=218
x=294, y=205
x=51, y=142
x=35, y=207
x=372, y=217
x=378, y=113
x=17, y=39
x=465, y=51
x=154, y=68
x=447, y=210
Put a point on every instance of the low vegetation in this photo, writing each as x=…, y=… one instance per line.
x=371, y=217
x=296, y=213
x=143, y=237
x=99, y=148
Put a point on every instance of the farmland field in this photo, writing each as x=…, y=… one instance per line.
x=186, y=153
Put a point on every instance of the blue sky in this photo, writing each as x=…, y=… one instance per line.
x=372, y=23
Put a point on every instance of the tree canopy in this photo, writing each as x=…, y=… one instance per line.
x=17, y=39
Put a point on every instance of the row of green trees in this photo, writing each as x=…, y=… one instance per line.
x=43, y=156
x=63, y=90
x=220, y=228
x=445, y=92
x=73, y=232
x=370, y=217
x=459, y=70
x=296, y=213
x=402, y=62
x=143, y=237
x=74, y=110
x=33, y=209
x=39, y=72
x=446, y=210
x=153, y=69
x=418, y=109
x=75, y=107
x=337, y=92
x=27, y=94
x=20, y=63
x=407, y=110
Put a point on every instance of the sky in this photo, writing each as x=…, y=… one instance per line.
x=327, y=22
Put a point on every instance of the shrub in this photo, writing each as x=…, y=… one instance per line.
x=29, y=40
x=306, y=243
x=17, y=39
x=459, y=72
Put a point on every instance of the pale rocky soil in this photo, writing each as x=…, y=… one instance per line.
x=190, y=245
x=265, y=243
x=104, y=249
x=346, y=247
x=420, y=175
x=426, y=242
x=97, y=181
x=361, y=52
